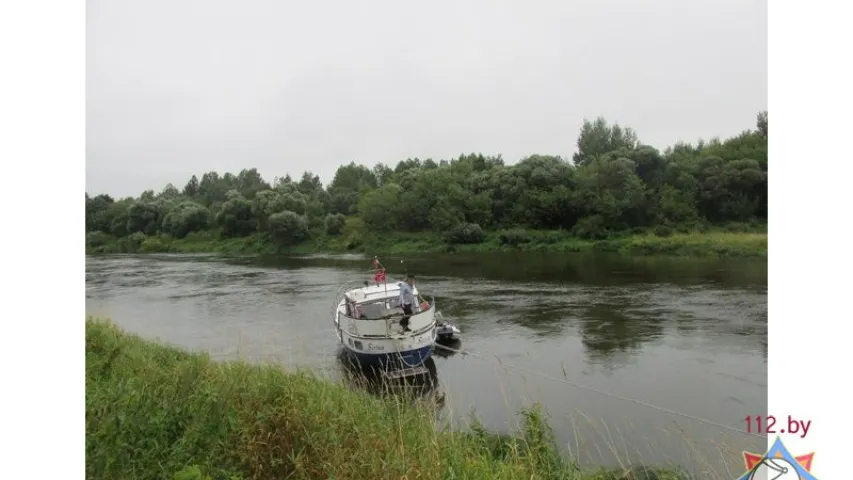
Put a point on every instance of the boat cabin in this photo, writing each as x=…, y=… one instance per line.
x=375, y=302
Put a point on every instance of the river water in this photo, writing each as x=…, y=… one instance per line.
x=627, y=355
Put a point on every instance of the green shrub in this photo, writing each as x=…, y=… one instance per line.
x=466, y=233
x=513, y=238
x=154, y=245
x=287, y=228
x=591, y=228
x=96, y=239
x=663, y=230
x=334, y=223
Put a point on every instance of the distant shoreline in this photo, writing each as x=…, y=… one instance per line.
x=713, y=243
x=616, y=194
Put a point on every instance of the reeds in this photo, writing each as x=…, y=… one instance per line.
x=154, y=411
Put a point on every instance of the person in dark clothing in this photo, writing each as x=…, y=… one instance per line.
x=407, y=301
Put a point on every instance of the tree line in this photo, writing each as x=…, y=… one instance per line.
x=614, y=183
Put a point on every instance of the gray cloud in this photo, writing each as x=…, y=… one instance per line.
x=182, y=87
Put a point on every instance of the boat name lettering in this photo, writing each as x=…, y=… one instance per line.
x=375, y=348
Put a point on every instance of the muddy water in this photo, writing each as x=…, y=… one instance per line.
x=615, y=349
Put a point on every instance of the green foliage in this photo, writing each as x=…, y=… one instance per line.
x=186, y=217
x=191, y=473
x=591, y=228
x=131, y=243
x=235, y=217
x=761, y=123
x=287, y=228
x=155, y=412
x=334, y=223
x=598, y=138
x=514, y=238
x=97, y=216
x=466, y=233
x=96, y=239
x=614, y=184
x=153, y=245
x=145, y=215
x=378, y=207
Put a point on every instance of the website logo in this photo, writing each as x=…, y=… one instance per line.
x=777, y=464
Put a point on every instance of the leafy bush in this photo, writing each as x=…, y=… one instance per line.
x=236, y=218
x=184, y=218
x=334, y=223
x=131, y=243
x=663, y=230
x=287, y=228
x=154, y=245
x=591, y=228
x=466, y=233
x=737, y=227
x=315, y=224
x=514, y=238
x=96, y=239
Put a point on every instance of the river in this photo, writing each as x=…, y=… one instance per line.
x=621, y=352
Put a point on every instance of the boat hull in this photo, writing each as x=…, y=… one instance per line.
x=404, y=351
x=402, y=359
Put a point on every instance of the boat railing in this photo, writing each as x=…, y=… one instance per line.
x=430, y=306
x=343, y=289
x=393, y=319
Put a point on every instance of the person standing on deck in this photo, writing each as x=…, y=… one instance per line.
x=407, y=301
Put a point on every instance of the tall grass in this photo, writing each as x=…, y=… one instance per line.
x=154, y=411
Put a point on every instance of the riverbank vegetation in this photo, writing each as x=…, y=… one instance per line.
x=153, y=411
x=615, y=194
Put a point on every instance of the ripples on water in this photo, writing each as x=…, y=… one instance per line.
x=685, y=335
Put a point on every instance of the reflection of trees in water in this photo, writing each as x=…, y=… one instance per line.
x=731, y=324
x=545, y=312
x=598, y=269
x=468, y=306
x=606, y=330
x=545, y=320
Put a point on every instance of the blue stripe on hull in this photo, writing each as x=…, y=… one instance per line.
x=409, y=358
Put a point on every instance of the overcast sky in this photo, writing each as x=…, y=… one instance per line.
x=181, y=87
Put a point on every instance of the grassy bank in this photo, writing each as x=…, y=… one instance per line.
x=153, y=411
x=733, y=241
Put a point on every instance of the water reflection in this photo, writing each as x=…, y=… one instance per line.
x=599, y=269
x=606, y=330
x=619, y=319
x=371, y=379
